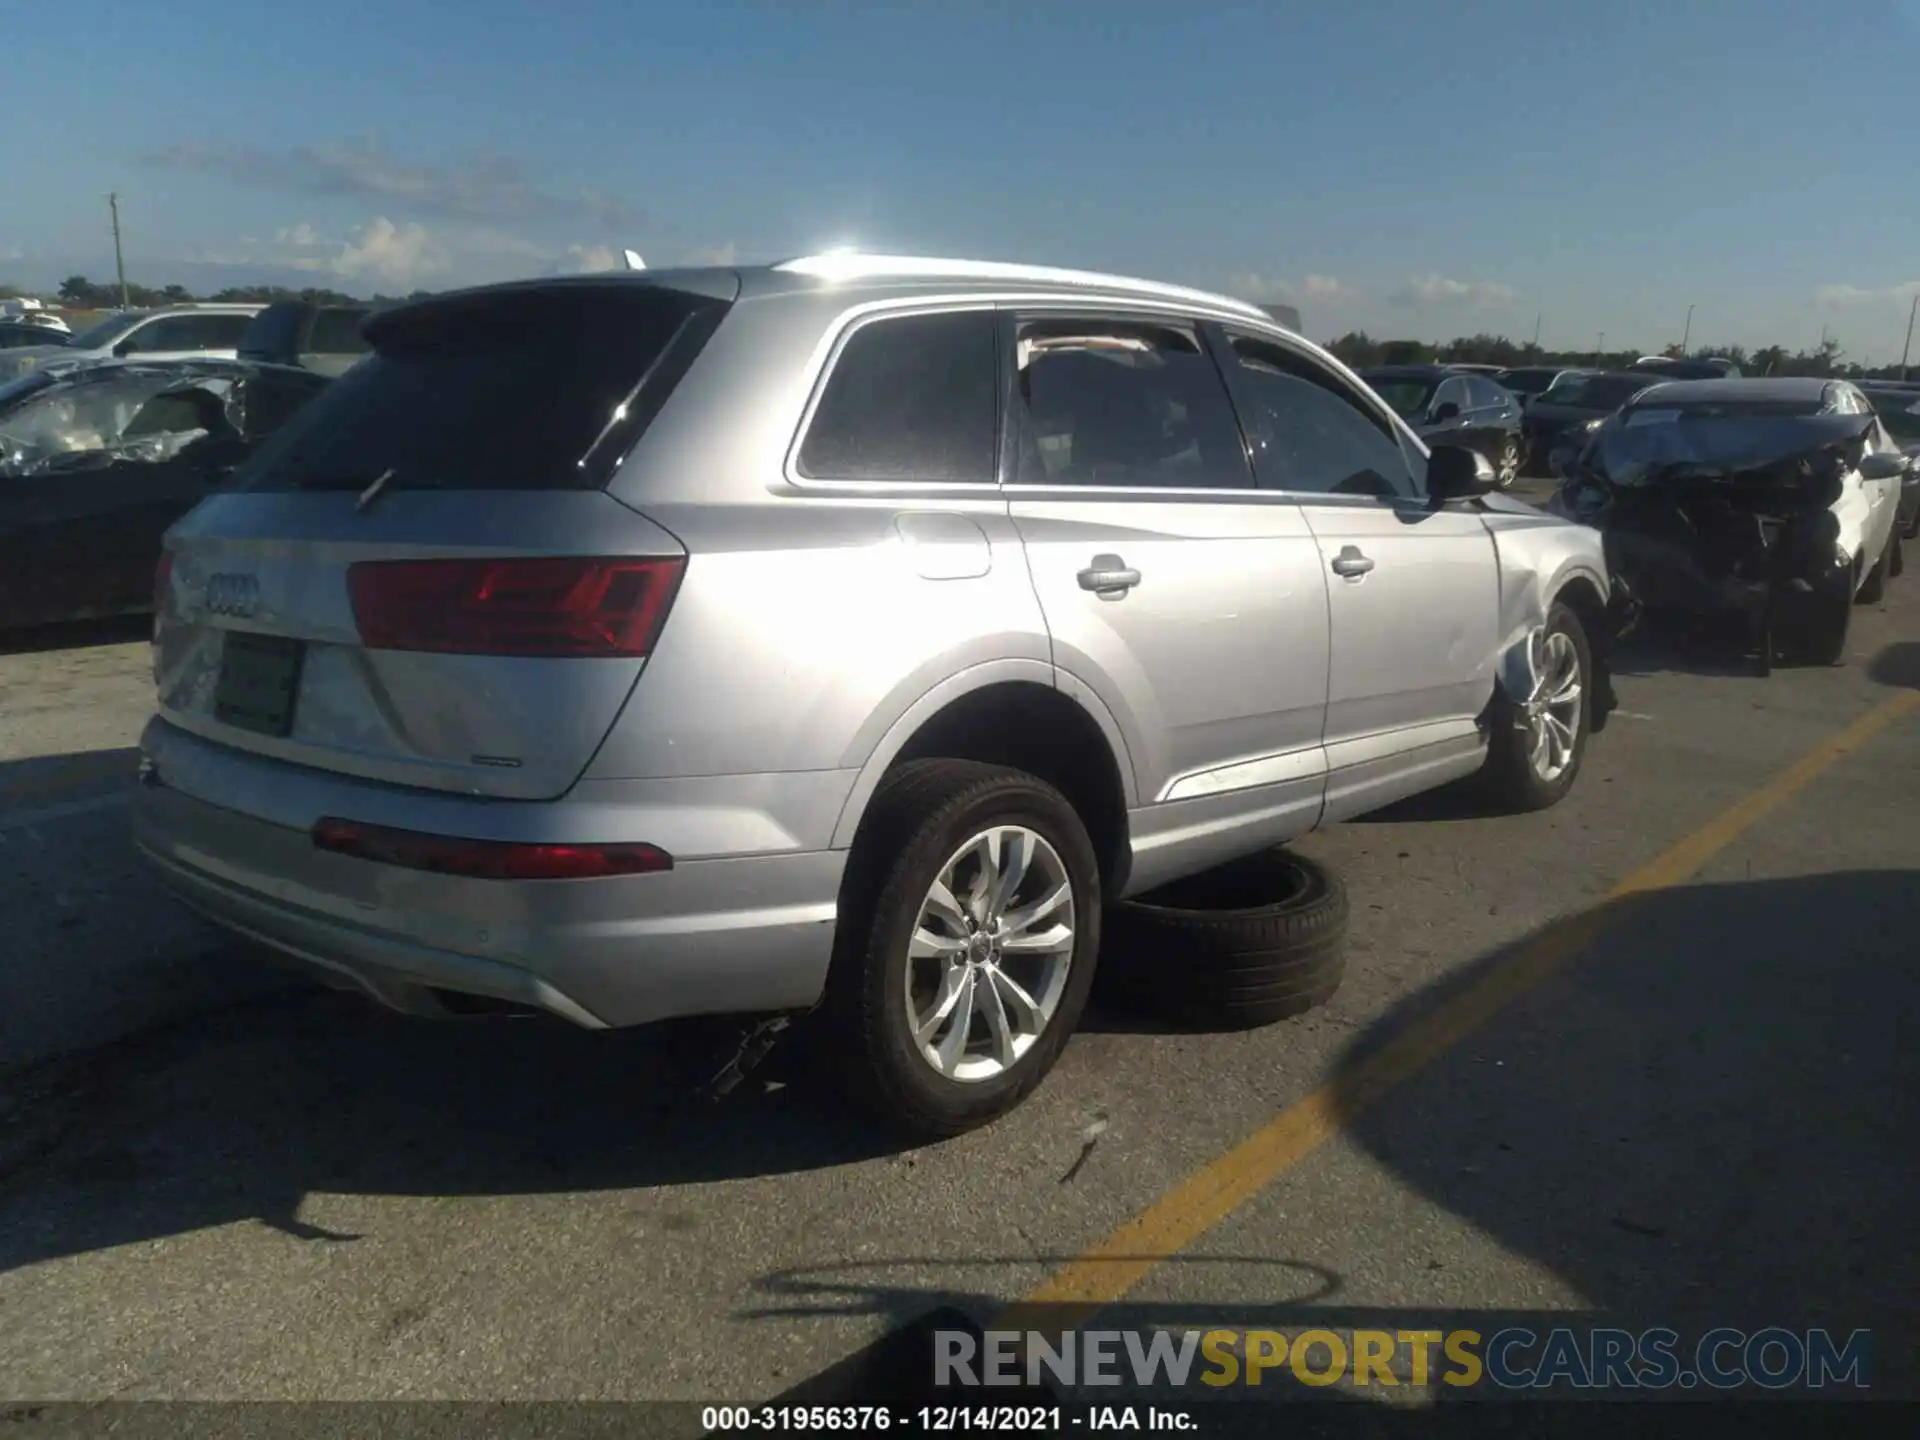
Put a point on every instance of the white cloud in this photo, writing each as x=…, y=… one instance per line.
x=1422, y=291
x=589, y=260
x=726, y=254
x=402, y=256
x=476, y=185
x=1258, y=288
x=1854, y=296
x=11, y=252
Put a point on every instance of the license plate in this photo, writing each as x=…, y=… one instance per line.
x=259, y=678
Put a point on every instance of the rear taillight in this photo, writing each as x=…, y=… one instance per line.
x=486, y=859
x=565, y=606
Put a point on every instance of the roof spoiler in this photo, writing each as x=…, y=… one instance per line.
x=634, y=262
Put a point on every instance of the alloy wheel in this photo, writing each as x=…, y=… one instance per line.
x=988, y=959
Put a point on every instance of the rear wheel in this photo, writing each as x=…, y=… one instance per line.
x=1537, y=744
x=1506, y=462
x=1899, y=562
x=969, y=927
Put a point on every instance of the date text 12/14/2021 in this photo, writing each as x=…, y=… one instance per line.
x=943, y=1419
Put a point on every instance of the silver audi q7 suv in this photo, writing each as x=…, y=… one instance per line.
x=846, y=632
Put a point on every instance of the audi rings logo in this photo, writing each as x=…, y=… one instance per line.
x=235, y=595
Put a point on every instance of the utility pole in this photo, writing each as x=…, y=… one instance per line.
x=1906, y=349
x=1536, y=331
x=1688, y=333
x=1600, y=351
x=119, y=264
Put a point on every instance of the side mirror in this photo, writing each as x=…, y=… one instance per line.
x=1444, y=413
x=1883, y=465
x=1456, y=473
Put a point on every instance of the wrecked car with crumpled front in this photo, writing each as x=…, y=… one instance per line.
x=1767, y=503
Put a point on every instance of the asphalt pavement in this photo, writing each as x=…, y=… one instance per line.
x=1638, y=1056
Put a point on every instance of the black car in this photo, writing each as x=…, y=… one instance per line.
x=1898, y=406
x=96, y=463
x=323, y=338
x=1570, y=410
x=1448, y=405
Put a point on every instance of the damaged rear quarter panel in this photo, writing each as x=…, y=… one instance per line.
x=1544, y=558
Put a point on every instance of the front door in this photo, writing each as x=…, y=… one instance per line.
x=1193, y=606
x=1414, y=592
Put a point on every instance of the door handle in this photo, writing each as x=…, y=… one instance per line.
x=1350, y=564
x=1108, y=577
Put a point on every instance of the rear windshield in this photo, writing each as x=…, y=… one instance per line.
x=1527, y=382
x=540, y=389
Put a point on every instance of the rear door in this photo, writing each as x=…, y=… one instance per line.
x=1190, y=603
x=420, y=579
x=1414, y=592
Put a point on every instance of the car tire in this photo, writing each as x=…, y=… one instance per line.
x=1897, y=566
x=1242, y=945
x=917, y=831
x=1874, y=588
x=1515, y=775
x=1822, y=640
x=1506, y=463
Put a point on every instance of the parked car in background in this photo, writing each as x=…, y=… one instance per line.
x=463, y=689
x=1768, y=500
x=96, y=463
x=1897, y=404
x=1525, y=382
x=1452, y=405
x=1701, y=367
x=180, y=333
x=1561, y=417
x=325, y=338
x=20, y=334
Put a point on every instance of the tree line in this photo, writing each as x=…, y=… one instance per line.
x=1357, y=348
x=1361, y=350
x=81, y=293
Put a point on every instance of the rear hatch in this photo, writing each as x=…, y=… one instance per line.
x=420, y=579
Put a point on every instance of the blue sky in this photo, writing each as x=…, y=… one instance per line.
x=1429, y=168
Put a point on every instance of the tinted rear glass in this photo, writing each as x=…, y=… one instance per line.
x=519, y=390
x=909, y=399
x=1598, y=392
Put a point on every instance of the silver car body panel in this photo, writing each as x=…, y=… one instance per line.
x=1246, y=694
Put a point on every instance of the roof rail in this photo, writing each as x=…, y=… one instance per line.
x=853, y=265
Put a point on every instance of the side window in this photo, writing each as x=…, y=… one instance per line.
x=158, y=336
x=912, y=398
x=1486, y=394
x=1312, y=433
x=217, y=332
x=337, y=332
x=1123, y=403
x=1452, y=391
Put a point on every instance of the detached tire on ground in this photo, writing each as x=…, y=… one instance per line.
x=1245, y=944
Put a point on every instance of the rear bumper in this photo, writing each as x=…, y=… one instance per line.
x=737, y=934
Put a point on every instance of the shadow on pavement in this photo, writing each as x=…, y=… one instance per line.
x=1707, y=1117
x=1897, y=665
x=76, y=635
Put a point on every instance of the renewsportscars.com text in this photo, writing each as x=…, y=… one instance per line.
x=1513, y=1358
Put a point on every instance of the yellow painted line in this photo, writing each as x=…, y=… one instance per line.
x=65, y=777
x=1105, y=1273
